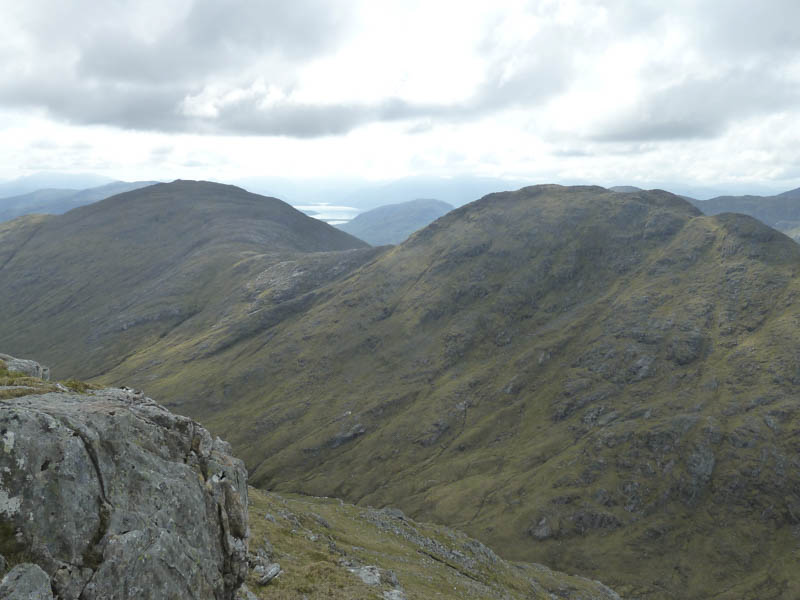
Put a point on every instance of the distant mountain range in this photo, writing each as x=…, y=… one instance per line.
x=49, y=180
x=393, y=223
x=603, y=382
x=781, y=211
x=58, y=201
x=365, y=195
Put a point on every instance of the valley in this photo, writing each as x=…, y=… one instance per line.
x=601, y=382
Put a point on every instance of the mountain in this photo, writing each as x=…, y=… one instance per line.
x=597, y=381
x=781, y=211
x=85, y=289
x=330, y=549
x=625, y=189
x=58, y=201
x=364, y=194
x=50, y=180
x=393, y=223
x=105, y=486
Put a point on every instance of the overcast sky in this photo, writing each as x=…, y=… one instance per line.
x=704, y=92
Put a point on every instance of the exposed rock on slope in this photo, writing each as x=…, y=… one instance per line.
x=330, y=549
x=81, y=291
x=781, y=211
x=111, y=496
x=29, y=368
x=601, y=382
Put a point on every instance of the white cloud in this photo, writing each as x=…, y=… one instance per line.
x=608, y=91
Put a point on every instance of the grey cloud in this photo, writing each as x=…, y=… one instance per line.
x=737, y=28
x=700, y=108
x=126, y=76
x=214, y=37
x=135, y=79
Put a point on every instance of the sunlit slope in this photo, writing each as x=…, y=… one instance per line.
x=601, y=382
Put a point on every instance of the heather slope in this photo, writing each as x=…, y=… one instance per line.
x=84, y=289
x=781, y=211
x=601, y=382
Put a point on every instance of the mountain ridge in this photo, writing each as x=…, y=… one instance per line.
x=58, y=201
x=595, y=380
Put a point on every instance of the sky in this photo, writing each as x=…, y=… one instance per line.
x=639, y=92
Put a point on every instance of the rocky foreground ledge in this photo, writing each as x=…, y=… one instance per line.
x=107, y=495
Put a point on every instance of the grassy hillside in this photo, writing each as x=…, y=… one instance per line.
x=85, y=289
x=393, y=223
x=601, y=382
x=324, y=546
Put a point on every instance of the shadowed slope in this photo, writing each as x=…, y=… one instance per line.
x=86, y=288
x=602, y=382
x=583, y=378
x=781, y=211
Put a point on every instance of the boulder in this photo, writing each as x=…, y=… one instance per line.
x=26, y=582
x=26, y=367
x=114, y=497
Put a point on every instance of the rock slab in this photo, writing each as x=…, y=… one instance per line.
x=113, y=497
x=31, y=368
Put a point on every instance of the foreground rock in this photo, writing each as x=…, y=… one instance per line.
x=330, y=549
x=114, y=497
x=30, y=368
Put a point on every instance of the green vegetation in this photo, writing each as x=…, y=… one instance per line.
x=604, y=383
x=16, y=385
x=320, y=542
x=781, y=211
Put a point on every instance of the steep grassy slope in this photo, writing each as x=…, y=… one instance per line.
x=85, y=289
x=781, y=211
x=601, y=382
x=604, y=383
x=393, y=223
x=325, y=546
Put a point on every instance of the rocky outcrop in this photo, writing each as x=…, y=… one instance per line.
x=108, y=495
x=30, y=368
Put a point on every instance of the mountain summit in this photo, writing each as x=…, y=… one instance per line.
x=604, y=382
x=120, y=273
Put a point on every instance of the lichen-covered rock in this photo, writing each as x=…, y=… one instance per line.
x=26, y=367
x=26, y=582
x=114, y=497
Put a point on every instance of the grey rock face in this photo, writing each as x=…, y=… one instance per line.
x=114, y=497
x=28, y=367
x=26, y=582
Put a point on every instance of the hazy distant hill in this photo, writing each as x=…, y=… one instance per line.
x=47, y=180
x=599, y=381
x=781, y=211
x=366, y=195
x=58, y=201
x=393, y=223
x=625, y=189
